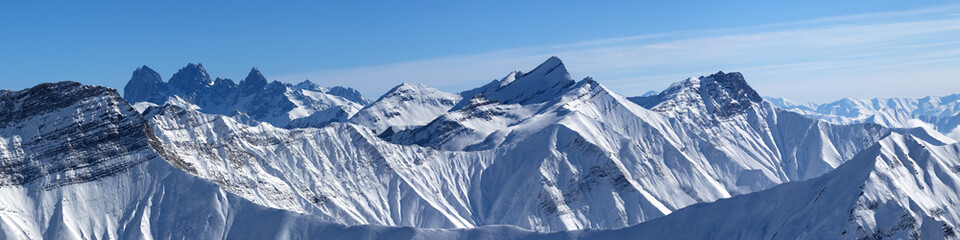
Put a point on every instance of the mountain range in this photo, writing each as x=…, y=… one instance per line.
x=940, y=113
x=532, y=155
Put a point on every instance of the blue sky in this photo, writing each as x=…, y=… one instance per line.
x=806, y=50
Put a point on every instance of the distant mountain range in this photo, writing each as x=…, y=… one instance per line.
x=938, y=113
x=548, y=155
x=280, y=104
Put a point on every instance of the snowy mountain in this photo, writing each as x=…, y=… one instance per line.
x=79, y=163
x=342, y=173
x=284, y=105
x=405, y=106
x=485, y=110
x=939, y=113
x=903, y=187
x=552, y=159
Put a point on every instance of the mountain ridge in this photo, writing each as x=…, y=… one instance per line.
x=941, y=113
x=284, y=105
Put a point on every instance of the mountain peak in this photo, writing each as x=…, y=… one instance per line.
x=552, y=67
x=143, y=85
x=735, y=85
x=539, y=85
x=191, y=78
x=723, y=94
x=307, y=82
x=411, y=86
x=254, y=82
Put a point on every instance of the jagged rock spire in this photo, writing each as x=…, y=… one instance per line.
x=143, y=85
x=190, y=78
x=254, y=82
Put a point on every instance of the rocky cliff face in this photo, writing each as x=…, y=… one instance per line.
x=190, y=80
x=144, y=85
x=720, y=94
x=67, y=133
x=254, y=82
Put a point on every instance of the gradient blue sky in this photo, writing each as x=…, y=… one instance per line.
x=804, y=50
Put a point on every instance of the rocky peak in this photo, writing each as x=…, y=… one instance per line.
x=190, y=79
x=733, y=85
x=254, y=82
x=224, y=86
x=722, y=94
x=727, y=93
x=143, y=85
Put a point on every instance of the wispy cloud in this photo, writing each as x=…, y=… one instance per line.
x=908, y=53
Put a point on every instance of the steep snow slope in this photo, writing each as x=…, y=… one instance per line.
x=903, y=187
x=594, y=148
x=342, y=172
x=405, y=106
x=284, y=105
x=727, y=119
x=938, y=113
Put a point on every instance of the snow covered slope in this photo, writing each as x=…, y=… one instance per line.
x=405, y=106
x=938, y=113
x=284, y=105
x=342, y=173
x=903, y=187
x=592, y=148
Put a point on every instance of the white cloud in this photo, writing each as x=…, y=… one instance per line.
x=869, y=55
